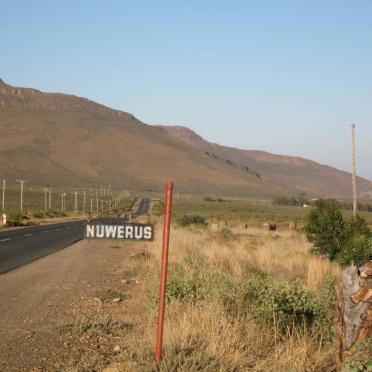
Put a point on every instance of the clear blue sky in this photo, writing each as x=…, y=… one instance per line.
x=283, y=76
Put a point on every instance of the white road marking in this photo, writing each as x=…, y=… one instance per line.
x=46, y=231
x=27, y=235
x=5, y=240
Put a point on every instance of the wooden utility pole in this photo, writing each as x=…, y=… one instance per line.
x=3, y=201
x=355, y=201
x=45, y=198
x=76, y=201
x=50, y=199
x=22, y=182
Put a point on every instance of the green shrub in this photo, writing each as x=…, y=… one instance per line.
x=183, y=286
x=326, y=298
x=345, y=241
x=14, y=219
x=357, y=250
x=358, y=226
x=193, y=220
x=158, y=209
x=55, y=213
x=283, y=305
x=361, y=360
x=325, y=228
x=226, y=234
x=39, y=215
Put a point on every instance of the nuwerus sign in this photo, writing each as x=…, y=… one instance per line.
x=124, y=231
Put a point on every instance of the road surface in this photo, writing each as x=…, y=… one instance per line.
x=143, y=208
x=23, y=245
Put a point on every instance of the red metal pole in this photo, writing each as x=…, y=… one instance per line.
x=164, y=271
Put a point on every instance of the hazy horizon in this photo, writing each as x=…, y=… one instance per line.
x=285, y=78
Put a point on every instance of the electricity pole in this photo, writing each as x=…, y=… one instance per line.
x=76, y=203
x=22, y=183
x=3, y=203
x=97, y=205
x=63, y=202
x=45, y=198
x=50, y=198
x=355, y=202
x=91, y=205
x=84, y=201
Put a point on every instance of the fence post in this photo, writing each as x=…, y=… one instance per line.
x=164, y=271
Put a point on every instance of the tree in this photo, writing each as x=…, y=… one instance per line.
x=325, y=228
x=357, y=251
x=345, y=241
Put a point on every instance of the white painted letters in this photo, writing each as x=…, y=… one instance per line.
x=90, y=231
x=125, y=231
x=147, y=232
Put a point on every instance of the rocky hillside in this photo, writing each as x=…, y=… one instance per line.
x=291, y=171
x=59, y=139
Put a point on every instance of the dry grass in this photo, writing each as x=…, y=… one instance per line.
x=201, y=335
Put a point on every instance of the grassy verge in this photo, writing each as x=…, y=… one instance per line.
x=249, y=300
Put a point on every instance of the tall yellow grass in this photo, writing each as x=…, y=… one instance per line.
x=202, y=336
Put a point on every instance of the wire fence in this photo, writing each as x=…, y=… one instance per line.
x=28, y=198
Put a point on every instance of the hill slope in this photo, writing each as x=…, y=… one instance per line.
x=59, y=139
x=291, y=171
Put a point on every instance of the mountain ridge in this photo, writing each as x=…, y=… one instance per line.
x=281, y=169
x=54, y=138
x=61, y=139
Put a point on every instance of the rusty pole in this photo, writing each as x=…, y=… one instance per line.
x=164, y=271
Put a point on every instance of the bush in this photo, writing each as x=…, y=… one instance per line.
x=269, y=304
x=14, y=219
x=39, y=215
x=226, y=234
x=193, y=220
x=158, y=209
x=325, y=228
x=184, y=286
x=54, y=213
x=360, y=360
x=358, y=250
x=326, y=299
x=345, y=241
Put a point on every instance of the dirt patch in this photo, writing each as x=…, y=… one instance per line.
x=68, y=310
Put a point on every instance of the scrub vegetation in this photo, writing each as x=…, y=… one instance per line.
x=249, y=300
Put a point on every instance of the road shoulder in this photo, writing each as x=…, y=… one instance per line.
x=70, y=309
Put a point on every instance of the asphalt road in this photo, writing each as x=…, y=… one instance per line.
x=143, y=208
x=23, y=245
